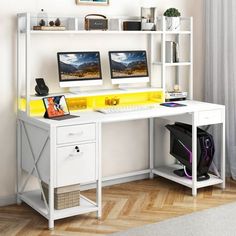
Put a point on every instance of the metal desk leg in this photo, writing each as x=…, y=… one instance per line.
x=194, y=154
x=99, y=163
x=52, y=181
x=223, y=150
x=151, y=147
x=19, y=171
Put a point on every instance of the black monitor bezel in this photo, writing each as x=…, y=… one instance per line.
x=128, y=77
x=77, y=52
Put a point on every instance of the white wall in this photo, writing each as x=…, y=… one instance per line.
x=113, y=161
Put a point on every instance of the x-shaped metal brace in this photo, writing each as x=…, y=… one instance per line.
x=35, y=168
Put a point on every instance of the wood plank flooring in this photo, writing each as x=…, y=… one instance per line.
x=124, y=206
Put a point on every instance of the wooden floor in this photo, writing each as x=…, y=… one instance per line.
x=124, y=206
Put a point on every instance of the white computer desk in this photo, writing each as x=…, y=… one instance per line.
x=48, y=147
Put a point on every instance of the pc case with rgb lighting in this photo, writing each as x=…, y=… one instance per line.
x=181, y=149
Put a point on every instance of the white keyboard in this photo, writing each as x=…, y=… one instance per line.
x=119, y=109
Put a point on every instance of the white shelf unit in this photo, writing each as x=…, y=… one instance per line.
x=25, y=27
x=165, y=34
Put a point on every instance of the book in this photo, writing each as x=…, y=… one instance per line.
x=49, y=28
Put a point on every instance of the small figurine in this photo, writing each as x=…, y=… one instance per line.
x=51, y=23
x=57, y=22
x=42, y=22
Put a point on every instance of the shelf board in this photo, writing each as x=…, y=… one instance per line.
x=33, y=199
x=159, y=63
x=178, y=64
x=173, y=64
x=99, y=92
x=87, y=32
x=167, y=172
x=105, y=32
x=178, y=32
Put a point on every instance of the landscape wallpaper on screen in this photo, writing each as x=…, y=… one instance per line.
x=79, y=66
x=129, y=64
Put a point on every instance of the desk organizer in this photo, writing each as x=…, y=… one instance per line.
x=64, y=197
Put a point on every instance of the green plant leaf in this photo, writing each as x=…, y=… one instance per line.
x=172, y=12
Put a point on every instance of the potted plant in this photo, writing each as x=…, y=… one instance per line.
x=172, y=19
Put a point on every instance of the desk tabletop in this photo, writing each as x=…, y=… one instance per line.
x=159, y=111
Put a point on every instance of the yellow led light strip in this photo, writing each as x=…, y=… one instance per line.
x=91, y=102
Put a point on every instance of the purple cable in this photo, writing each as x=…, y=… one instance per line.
x=206, y=157
x=186, y=173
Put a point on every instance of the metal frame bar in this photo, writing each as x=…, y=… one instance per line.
x=191, y=61
x=194, y=153
x=99, y=168
x=19, y=158
x=52, y=176
x=35, y=159
x=18, y=64
x=163, y=55
x=27, y=66
x=151, y=146
x=150, y=46
x=223, y=150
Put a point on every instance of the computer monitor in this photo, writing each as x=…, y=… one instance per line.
x=128, y=67
x=79, y=69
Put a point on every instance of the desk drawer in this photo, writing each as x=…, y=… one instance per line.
x=75, y=133
x=209, y=117
x=76, y=164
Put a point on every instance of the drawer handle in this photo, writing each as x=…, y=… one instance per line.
x=76, y=155
x=76, y=134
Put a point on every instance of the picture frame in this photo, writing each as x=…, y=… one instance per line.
x=93, y=2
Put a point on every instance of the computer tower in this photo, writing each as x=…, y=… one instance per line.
x=181, y=149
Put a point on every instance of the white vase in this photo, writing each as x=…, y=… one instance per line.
x=172, y=23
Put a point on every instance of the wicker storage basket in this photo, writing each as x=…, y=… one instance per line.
x=64, y=197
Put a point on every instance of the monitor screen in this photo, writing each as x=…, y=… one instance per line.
x=80, y=68
x=125, y=65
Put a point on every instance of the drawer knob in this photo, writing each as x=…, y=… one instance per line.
x=76, y=134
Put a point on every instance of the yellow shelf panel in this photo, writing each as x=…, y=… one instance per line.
x=98, y=101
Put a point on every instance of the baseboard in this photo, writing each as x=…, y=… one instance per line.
x=11, y=199
x=8, y=200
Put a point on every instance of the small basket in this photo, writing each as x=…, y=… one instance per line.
x=64, y=197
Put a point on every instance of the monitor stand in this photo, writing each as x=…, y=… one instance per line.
x=132, y=87
x=75, y=90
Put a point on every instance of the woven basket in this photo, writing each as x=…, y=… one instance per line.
x=64, y=197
